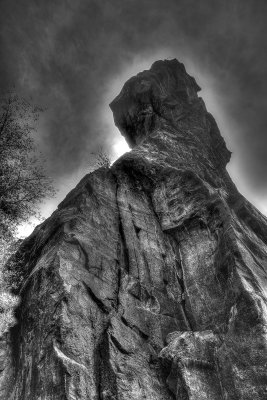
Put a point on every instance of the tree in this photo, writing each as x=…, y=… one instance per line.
x=23, y=185
x=102, y=159
x=23, y=181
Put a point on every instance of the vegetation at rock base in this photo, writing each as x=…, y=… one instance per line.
x=23, y=184
x=8, y=301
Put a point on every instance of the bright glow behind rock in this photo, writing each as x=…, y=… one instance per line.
x=120, y=147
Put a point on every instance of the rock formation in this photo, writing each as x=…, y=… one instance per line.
x=149, y=280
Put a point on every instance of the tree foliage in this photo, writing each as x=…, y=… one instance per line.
x=23, y=181
x=23, y=185
x=102, y=159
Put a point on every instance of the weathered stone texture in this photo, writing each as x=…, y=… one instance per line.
x=149, y=281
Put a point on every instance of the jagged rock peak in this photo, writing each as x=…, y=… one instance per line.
x=164, y=96
x=158, y=91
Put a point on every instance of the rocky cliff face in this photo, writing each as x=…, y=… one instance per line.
x=149, y=281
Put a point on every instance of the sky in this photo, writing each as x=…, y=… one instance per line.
x=73, y=57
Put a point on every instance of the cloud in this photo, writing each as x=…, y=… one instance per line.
x=73, y=58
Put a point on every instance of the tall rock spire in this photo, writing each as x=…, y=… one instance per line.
x=149, y=281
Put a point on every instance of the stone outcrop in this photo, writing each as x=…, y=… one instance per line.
x=149, y=281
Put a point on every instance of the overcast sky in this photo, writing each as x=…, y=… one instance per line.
x=72, y=57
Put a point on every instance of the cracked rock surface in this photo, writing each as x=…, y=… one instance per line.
x=149, y=281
